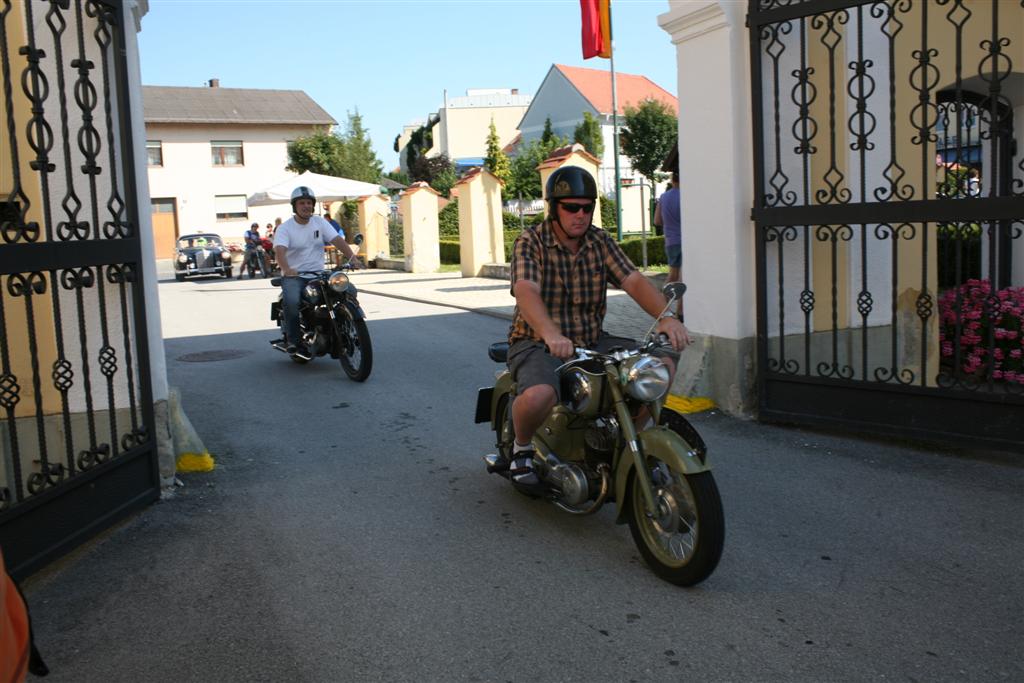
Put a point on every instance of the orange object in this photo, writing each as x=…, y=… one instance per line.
x=14, y=633
x=597, y=31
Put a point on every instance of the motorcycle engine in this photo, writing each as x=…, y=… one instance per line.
x=601, y=436
x=319, y=343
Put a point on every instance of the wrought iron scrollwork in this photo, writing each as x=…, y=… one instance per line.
x=22, y=284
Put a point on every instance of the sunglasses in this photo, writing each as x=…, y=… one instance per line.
x=576, y=208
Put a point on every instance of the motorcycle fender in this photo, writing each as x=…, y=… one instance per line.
x=665, y=445
x=502, y=387
x=356, y=310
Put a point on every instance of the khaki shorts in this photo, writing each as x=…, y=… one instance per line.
x=530, y=364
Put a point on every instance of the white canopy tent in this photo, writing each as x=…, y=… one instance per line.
x=326, y=188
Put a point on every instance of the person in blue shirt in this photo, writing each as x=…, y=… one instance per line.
x=667, y=215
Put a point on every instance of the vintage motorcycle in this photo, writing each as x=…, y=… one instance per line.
x=588, y=453
x=331, y=320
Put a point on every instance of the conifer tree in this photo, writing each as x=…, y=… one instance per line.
x=496, y=160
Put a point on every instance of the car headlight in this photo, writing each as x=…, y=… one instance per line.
x=182, y=258
x=312, y=293
x=226, y=255
x=338, y=281
x=645, y=378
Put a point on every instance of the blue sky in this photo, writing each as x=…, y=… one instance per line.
x=390, y=59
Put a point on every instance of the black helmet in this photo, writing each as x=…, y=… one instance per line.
x=570, y=182
x=302, y=192
x=255, y=225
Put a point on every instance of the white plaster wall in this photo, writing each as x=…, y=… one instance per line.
x=715, y=146
x=468, y=128
x=189, y=176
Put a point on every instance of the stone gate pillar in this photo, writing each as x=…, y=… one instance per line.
x=419, y=228
x=573, y=155
x=373, y=224
x=481, y=234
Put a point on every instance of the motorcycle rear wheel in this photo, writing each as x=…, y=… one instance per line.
x=683, y=542
x=355, y=352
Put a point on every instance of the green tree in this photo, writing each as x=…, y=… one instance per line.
x=438, y=172
x=358, y=160
x=589, y=135
x=496, y=161
x=549, y=133
x=320, y=152
x=650, y=131
x=398, y=176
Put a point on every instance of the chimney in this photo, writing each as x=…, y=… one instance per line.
x=214, y=82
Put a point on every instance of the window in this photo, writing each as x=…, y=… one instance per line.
x=230, y=207
x=154, y=153
x=227, y=152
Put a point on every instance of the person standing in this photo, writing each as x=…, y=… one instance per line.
x=667, y=215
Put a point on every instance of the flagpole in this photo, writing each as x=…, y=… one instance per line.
x=615, y=129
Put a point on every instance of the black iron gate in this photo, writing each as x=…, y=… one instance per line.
x=77, y=450
x=888, y=182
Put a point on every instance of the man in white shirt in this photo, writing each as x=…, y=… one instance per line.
x=299, y=245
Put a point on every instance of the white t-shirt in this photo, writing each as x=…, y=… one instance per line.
x=305, y=243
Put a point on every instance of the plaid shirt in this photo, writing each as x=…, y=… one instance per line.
x=572, y=286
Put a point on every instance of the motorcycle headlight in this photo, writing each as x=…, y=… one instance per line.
x=312, y=293
x=338, y=281
x=645, y=378
x=182, y=258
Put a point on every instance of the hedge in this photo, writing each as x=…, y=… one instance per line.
x=632, y=246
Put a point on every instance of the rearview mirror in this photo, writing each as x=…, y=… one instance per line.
x=358, y=239
x=674, y=290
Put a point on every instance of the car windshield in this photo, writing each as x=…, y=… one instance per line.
x=199, y=241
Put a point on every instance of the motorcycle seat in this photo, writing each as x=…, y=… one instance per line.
x=498, y=352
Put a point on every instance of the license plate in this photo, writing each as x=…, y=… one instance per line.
x=483, y=405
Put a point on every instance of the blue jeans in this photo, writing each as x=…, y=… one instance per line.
x=292, y=289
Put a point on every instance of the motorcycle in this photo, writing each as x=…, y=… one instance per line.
x=255, y=259
x=331, y=320
x=589, y=453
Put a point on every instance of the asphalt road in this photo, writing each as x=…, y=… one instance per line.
x=351, y=533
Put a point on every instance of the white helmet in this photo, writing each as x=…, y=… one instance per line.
x=302, y=192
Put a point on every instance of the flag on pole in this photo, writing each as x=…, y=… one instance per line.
x=597, y=41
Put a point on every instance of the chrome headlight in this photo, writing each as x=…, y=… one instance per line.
x=338, y=281
x=645, y=378
x=576, y=391
x=226, y=255
x=182, y=258
x=312, y=293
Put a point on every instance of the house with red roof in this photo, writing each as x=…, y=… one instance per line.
x=568, y=91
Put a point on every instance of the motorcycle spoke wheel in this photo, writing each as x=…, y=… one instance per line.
x=354, y=350
x=682, y=542
x=503, y=430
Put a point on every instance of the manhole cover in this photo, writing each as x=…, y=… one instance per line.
x=208, y=356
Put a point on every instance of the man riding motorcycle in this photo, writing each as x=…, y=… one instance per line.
x=254, y=257
x=299, y=246
x=560, y=270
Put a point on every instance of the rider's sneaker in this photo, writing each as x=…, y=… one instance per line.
x=522, y=474
x=280, y=345
x=301, y=352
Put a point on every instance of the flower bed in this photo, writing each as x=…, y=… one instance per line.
x=985, y=319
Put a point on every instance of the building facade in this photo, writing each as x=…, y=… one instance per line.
x=210, y=148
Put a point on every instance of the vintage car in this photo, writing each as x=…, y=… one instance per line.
x=201, y=254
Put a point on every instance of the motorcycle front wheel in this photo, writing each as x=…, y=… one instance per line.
x=354, y=350
x=682, y=543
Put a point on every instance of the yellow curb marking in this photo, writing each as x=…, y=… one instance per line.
x=193, y=462
x=683, y=404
